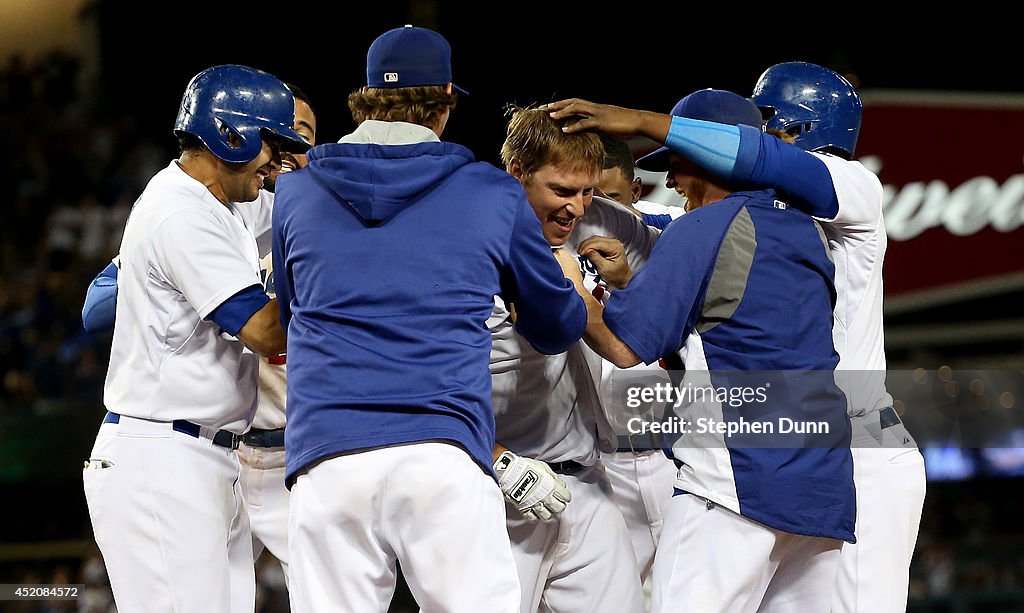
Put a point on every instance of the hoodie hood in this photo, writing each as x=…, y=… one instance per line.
x=379, y=181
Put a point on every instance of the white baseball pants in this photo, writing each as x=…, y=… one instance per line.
x=581, y=561
x=642, y=484
x=266, y=500
x=711, y=560
x=874, y=574
x=168, y=516
x=428, y=505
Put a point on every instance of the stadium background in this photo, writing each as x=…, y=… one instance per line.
x=89, y=89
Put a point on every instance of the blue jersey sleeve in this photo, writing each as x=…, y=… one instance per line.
x=657, y=221
x=101, y=301
x=800, y=176
x=661, y=304
x=549, y=312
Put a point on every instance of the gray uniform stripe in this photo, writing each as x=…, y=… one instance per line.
x=824, y=240
x=732, y=267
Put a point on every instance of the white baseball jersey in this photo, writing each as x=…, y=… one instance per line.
x=609, y=218
x=656, y=208
x=888, y=469
x=548, y=407
x=183, y=254
x=256, y=216
x=858, y=241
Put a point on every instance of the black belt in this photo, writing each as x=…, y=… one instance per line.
x=223, y=438
x=566, y=468
x=888, y=417
x=257, y=437
x=639, y=443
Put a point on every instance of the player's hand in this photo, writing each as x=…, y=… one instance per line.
x=585, y=115
x=531, y=486
x=608, y=255
x=617, y=121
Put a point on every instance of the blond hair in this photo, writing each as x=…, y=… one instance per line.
x=536, y=140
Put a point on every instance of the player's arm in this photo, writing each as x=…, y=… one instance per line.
x=253, y=318
x=597, y=334
x=658, y=221
x=741, y=154
x=549, y=313
x=655, y=313
x=101, y=301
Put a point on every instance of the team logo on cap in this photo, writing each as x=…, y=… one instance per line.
x=391, y=77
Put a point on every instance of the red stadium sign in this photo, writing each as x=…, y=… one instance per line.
x=954, y=189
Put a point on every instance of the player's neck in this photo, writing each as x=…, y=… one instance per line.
x=202, y=170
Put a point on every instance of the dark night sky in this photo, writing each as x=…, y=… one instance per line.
x=642, y=54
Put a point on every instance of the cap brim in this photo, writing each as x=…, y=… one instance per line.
x=656, y=161
x=460, y=90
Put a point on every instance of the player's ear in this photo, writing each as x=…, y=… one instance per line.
x=448, y=90
x=636, y=188
x=515, y=168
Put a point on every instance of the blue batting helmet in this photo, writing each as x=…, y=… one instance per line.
x=815, y=105
x=237, y=100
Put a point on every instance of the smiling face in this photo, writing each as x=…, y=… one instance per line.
x=684, y=177
x=559, y=194
x=242, y=182
x=305, y=125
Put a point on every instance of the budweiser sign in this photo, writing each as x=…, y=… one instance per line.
x=952, y=170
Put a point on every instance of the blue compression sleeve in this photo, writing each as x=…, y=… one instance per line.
x=710, y=145
x=233, y=313
x=657, y=221
x=744, y=154
x=101, y=301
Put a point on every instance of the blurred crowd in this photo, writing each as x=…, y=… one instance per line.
x=71, y=175
x=72, y=171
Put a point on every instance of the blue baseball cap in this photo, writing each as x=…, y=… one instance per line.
x=716, y=105
x=409, y=57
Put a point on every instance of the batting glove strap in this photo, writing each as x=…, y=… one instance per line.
x=531, y=486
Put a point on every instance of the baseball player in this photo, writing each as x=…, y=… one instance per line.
x=191, y=315
x=888, y=468
x=619, y=182
x=640, y=474
x=261, y=448
x=822, y=111
x=388, y=249
x=547, y=407
x=742, y=283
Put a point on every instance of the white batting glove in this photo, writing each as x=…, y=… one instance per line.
x=535, y=490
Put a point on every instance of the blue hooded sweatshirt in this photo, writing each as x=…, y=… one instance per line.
x=387, y=259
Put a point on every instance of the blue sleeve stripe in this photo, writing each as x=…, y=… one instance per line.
x=710, y=145
x=233, y=313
